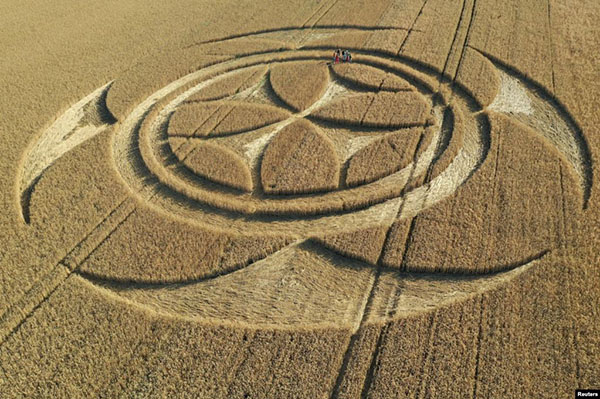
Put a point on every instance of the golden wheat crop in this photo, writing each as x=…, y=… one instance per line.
x=473, y=66
x=197, y=203
x=299, y=160
x=187, y=120
x=231, y=84
x=427, y=43
x=146, y=345
x=143, y=78
x=325, y=171
x=402, y=109
x=484, y=241
x=178, y=251
x=300, y=84
x=220, y=165
x=383, y=157
x=451, y=146
x=364, y=244
x=343, y=40
x=370, y=77
x=219, y=118
x=522, y=45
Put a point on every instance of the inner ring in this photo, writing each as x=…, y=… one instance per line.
x=204, y=205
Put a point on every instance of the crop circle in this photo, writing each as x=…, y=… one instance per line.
x=182, y=157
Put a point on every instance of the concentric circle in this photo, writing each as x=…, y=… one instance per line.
x=347, y=119
x=287, y=179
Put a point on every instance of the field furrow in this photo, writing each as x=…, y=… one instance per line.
x=44, y=287
x=351, y=375
x=200, y=202
x=516, y=33
x=433, y=33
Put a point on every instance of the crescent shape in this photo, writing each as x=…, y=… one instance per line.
x=82, y=121
x=533, y=105
x=280, y=291
x=278, y=284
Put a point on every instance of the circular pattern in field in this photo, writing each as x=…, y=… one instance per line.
x=276, y=188
x=308, y=146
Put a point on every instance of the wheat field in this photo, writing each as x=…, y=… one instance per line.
x=199, y=201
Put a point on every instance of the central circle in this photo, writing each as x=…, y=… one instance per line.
x=288, y=133
x=288, y=142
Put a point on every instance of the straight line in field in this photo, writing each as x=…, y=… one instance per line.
x=412, y=26
x=551, y=46
x=478, y=349
x=427, y=352
x=43, y=288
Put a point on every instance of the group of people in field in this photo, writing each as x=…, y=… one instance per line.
x=341, y=55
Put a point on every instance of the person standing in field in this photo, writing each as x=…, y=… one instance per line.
x=336, y=59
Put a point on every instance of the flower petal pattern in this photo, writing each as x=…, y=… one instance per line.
x=219, y=118
x=299, y=160
x=231, y=84
x=373, y=110
x=314, y=78
x=220, y=165
x=370, y=78
x=383, y=157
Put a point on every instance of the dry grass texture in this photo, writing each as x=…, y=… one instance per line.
x=220, y=165
x=230, y=85
x=383, y=157
x=299, y=84
x=299, y=160
x=103, y=294
x=498, y=218
x=391, y=110
x=219, y=118
x=371, y=78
